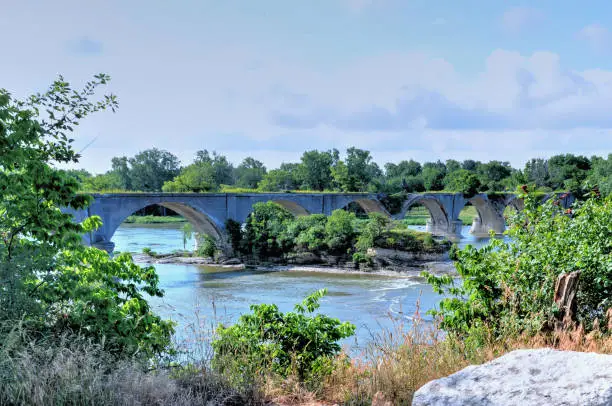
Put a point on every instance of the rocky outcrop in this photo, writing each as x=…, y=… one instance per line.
x=525, y=378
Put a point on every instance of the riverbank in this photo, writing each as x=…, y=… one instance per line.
x=155, y=220
x=384, y=262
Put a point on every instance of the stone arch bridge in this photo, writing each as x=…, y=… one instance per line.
x=209, y=212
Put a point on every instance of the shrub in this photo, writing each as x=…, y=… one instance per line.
x=340, y=230
x=207, y=246
x=510, y=285
x=268, y=341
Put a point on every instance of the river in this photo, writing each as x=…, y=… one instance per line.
x=198, y=297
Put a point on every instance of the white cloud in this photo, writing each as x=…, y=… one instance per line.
x=598, y=36
x=184, y=93
x=516, y=19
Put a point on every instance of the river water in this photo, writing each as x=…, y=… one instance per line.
x=199, y=297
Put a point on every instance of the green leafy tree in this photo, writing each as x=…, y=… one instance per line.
x=267, y=341
x=356, y=174
x=314, y=172
x=149, y=169
x=278, y=180
x=462, y=181
x=249, y=173
x=492, y=174
x=51, y=282
x=340, y=230
x=508, y=286
x=403, y=169
x=433, y=175
x=568, y=171
x=263, y=230
x=536, y=172
x=601, y=174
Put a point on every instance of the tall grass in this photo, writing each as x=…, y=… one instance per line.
x=71, y=370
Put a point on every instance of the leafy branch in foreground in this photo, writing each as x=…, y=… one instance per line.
x=48, y=279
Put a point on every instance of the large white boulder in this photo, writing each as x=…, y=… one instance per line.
x=525, y=378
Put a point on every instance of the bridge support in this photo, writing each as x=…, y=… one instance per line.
x=107, y=246
x=453, y=229
x=479, y=228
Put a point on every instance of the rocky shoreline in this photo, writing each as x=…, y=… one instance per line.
x=383, y=262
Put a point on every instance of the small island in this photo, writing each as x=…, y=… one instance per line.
x=272, y=236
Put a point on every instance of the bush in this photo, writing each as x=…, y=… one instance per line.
x=510, y=285
x=340, y=230
x=269, y=342
x=207, y=246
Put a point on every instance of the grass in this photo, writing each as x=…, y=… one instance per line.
x=154, y=219
x=418, y=216
x=71, y=370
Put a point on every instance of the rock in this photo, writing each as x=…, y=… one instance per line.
x=304, y=258
x=232, y=261
x=526, y=377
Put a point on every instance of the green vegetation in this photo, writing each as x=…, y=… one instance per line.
x=267, y=341
x=272, y=232
x=509, y=285
x=418, y=216
x=318, y=171
x=76, y=328
x=50, y=281
x=154, y=219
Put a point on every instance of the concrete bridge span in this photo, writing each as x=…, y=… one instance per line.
x=209, y=212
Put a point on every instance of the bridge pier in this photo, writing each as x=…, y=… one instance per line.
x=453, y=229
x=480, y=228
x=107, y=246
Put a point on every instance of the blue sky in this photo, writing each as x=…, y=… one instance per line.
x=403, y=78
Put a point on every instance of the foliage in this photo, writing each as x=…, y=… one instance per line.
x=314, y=171
x=269, y=341
x=462, y=181
x=207, y=246
x=50, y=280
x=263, y=228
x=340, y=231
x=509, y=285
x=249, y=173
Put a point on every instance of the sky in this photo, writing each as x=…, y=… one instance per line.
x=405, y=79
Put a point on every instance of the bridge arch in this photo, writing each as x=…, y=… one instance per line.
x=368, y=205
x=200, y=220
x=292, y=207
x=489, y=215
x=438, y=217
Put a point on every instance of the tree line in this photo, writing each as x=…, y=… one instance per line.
x=155, y=170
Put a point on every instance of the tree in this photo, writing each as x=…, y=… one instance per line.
x=149, y=169
x=452, y=166
x=568, y=170
x=462, y=181
x=357, y=173
x=121, y=171
x=601, y=174
x=263, y=230
x=277, y=180
x=536, y=172
x=403, y=169
x=507, y=287
x=223, y=170
x=51, y=282
x=249, y=173
x=470, y=165
x=492, y=174
x=433, y=175
x=314, y=172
